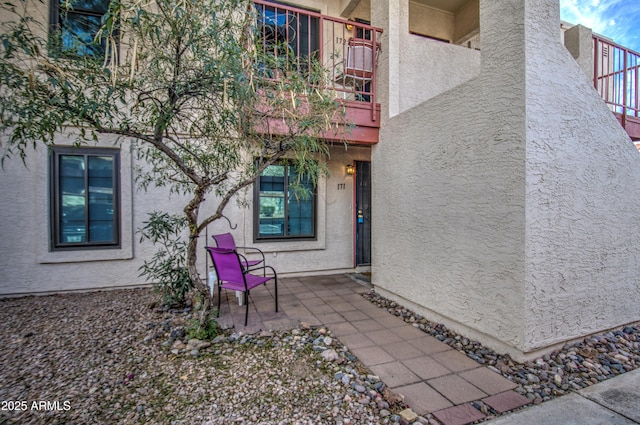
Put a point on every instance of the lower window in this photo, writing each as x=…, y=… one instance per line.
x=285, y=206
x=85, y=198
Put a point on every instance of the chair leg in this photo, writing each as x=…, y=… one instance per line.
x=275, y=280
x=246, y=302
x=219, y=296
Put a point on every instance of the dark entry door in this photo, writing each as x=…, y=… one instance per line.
x=363, y=213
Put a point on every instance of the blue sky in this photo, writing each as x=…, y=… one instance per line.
x=616, y=19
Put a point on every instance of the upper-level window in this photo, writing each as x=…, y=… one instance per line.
x=85, y=198
x=282, y=28
x=74, y=25
x=285, y=206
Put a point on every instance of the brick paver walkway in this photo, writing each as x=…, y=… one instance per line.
x=432, y=376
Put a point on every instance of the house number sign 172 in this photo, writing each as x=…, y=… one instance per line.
x=342, y=186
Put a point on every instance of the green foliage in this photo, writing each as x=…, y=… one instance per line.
x=206, y=331
x=193, y=89
x=168, y=267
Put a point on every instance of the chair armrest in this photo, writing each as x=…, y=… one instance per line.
x=243, y=259
x=246, y=248
x=246, y=268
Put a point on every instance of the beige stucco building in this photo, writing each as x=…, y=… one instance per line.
x=503, y=191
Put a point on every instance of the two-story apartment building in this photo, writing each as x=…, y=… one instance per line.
x=486, y=184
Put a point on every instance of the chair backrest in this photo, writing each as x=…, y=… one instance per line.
x=227, y=264
x=225, y=240
x=359, y=58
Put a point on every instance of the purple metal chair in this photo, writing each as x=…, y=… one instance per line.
x=225, y=240
x=233, y=276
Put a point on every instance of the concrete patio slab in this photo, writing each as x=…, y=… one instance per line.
x=372, y=355
x=506, y=401
x=426, y=368
x=366, y=325
x=432, y=377
x=395, y=374
x=487, y=380
x=429, y=345
x=456, y=389
x=343, y=328
x=383, y=336
x=356, y=340
x=459, y=415
x=423, y=399
x=402, y=350
x=455, y=360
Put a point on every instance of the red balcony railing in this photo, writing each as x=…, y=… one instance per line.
x=348, y=50
x=616, y=72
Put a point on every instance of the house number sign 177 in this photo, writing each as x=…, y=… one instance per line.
x=342, y=186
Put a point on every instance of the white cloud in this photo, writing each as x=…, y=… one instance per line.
x=616, y=19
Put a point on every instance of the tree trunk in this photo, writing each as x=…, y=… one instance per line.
x=199, y=283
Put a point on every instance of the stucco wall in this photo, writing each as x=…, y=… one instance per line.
x=451, y=237
x=429, y=67
x=361, y=11
x=579, y=42
x=411, y=68
x=29, y=267
x=504, y=207
x=431, y=21
x=583, y=195
x=467, y=22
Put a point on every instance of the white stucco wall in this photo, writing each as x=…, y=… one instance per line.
x=430, y=21
x=583, y=195
x=411, y=68
x=467, y=21
x=579, y=42
x=429, y=67
x=504, y=207
x=28, y=266
x=332, y=252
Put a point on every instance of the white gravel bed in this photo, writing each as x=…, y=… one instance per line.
x=105, y=358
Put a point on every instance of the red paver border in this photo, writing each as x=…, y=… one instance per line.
x=506, y=401
x=459, y=415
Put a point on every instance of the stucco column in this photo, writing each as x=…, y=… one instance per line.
x=506, y=207
x=502, y=32
x=393, y=17
x=579, y=41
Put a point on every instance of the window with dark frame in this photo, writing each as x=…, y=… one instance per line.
x=288, y=35
x=85, y=198
x=74, y=29
x=284, y=205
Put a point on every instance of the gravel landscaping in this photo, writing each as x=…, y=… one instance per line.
x=577, y=365
x=118, y=357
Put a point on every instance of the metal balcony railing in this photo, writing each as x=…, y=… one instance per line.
x=347, y=50
x=616, y=72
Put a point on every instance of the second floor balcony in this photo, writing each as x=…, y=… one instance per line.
x=348, y=50
x=616, y=77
